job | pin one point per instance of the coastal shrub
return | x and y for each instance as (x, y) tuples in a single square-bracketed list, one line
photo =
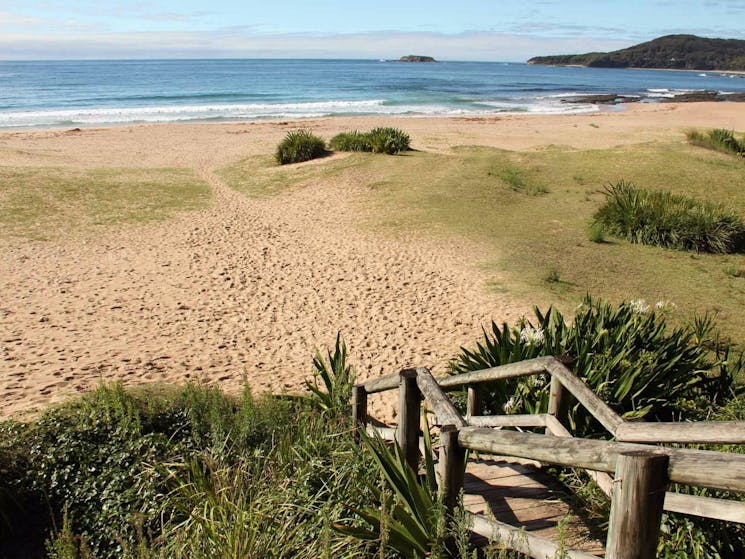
[(388, 140), (628, 354), (104, 466), (298, 146), (350, 141), (669, 220), (378, 140), (718, 139)]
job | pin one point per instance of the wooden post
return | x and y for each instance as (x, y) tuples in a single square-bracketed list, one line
[(558, 400), (636, 509), (452, 469), (473, 404), (359, 407), (452, 457), (409, 416)]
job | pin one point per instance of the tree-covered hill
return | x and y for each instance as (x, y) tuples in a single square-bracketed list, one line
[(676, 52)]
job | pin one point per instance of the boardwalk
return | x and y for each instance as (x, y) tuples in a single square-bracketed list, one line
[(525, 497)]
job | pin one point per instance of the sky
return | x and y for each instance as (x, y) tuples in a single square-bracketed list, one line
[(448, 30)]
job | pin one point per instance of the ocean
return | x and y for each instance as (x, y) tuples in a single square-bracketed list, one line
[(95, 93)]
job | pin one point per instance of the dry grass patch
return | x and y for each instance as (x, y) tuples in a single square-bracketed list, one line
[(50, 202), (260, 176)]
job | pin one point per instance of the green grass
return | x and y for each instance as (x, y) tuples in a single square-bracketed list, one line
[(259, 176), (718, 139), (472, 193), (51, 202)]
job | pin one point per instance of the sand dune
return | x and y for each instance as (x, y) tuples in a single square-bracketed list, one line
[(245, 289)]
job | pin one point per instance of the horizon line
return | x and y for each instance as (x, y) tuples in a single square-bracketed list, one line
[(192, 58)]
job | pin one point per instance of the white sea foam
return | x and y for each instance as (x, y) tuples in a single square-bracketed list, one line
[(665, 93), (175, 113), (252, 111), (539, 106)]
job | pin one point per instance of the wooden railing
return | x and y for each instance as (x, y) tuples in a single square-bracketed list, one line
[(640, 473)]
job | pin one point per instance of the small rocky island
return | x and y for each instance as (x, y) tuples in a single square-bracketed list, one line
[(416, 58)]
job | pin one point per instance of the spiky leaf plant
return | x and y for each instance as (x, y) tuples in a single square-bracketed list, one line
[(408, 516), (333, 379), (628, 354)]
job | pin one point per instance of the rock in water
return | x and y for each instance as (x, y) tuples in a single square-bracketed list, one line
[(416, 58)]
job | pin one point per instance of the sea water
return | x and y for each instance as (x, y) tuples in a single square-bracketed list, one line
[(94, 93)]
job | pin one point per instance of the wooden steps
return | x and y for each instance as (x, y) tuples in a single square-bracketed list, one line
[(524, 496)]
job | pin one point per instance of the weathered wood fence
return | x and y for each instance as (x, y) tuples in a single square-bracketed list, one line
[(639, 473)]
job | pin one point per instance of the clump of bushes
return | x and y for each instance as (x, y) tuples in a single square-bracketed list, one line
[(378, 140), (669, 220), (718, 139), (627, 354), (350, 141), (192, 472), (185, 472), (298, 146)]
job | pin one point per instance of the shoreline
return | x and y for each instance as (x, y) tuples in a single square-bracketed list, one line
[(587, 105), (700, 113)]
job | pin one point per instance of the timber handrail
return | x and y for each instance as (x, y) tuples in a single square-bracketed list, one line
[(689, 467), (651, 467), (704, 432)]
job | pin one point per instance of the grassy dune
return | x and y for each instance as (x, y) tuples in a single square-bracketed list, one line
[(51, 202), (531, 211), (260, 176)]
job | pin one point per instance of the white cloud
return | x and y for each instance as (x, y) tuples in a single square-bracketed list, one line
[(245, 42)]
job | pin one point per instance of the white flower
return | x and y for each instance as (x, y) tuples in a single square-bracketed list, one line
[(538, 381), (665, 306), (531, 336), (638, 306), (509, 405)]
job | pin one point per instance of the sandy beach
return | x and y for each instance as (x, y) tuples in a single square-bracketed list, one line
[(247, 288)]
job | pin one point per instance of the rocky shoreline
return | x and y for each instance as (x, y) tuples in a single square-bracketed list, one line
[(690, 97)]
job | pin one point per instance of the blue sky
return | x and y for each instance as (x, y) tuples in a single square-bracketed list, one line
[(452, 30)]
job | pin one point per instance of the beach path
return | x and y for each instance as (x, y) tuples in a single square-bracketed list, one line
[(243, 290)]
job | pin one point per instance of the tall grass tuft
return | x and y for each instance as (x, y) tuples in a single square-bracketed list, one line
[(350, 141), (669, 220), (378, 140), (718, 139), (388, 140), (298, 146)]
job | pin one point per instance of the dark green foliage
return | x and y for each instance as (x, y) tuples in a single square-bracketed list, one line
[(298, 146), (628, 354), (718, 139), (388, 140), (406, 515), (377, 140), (107, 464), (682, 52), (669, 220), (350, 141)]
